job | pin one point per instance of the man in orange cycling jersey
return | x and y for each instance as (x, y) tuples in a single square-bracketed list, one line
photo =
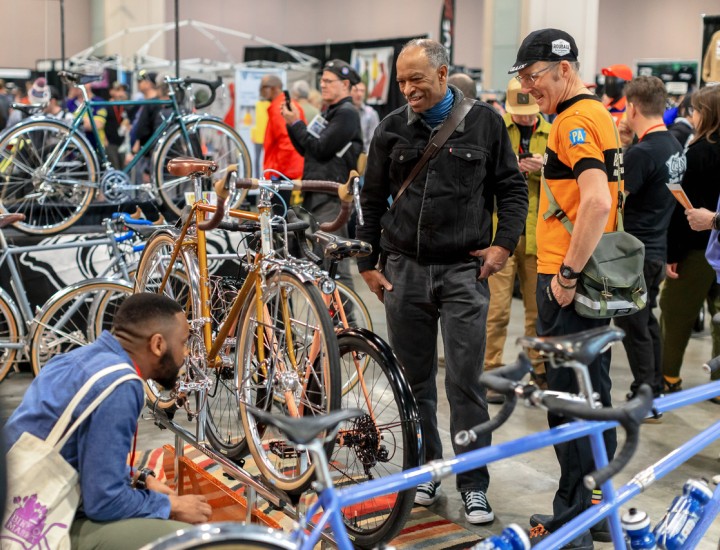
[(582, 167)]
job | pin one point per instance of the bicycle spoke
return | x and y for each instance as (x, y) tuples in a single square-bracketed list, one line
[(47, 175), (286, 361)]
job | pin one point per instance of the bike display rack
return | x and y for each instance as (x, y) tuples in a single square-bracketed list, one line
[(254, 485)]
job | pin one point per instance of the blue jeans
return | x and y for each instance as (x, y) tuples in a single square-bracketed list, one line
[(575, 457), (422, 295)]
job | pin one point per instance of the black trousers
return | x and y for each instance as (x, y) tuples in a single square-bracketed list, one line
[(575, 457), (642, 341)]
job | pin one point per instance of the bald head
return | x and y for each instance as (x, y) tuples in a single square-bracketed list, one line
[(463, 83), (270, 86)]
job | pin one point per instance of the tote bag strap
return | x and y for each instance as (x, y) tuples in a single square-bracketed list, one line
[(62, 423), (94, 405)]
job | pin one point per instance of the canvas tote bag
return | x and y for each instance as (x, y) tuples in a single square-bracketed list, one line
[(43, 489)]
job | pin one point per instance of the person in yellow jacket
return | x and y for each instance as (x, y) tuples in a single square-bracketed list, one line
[(528, 132)]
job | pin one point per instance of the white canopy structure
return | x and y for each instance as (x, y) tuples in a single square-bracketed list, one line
[(88, 58)]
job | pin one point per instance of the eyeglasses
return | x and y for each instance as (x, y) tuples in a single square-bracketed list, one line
[(530, 79), (327, 81)]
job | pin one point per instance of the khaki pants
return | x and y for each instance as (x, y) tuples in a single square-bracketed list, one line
[(126, 534), (501, 289)]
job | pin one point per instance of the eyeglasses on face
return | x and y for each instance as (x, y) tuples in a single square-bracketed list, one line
[(530, 79), (327, 81)]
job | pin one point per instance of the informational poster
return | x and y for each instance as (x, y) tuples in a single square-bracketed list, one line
[(374, 66), (679, 76), (251, 111), (710, 57)]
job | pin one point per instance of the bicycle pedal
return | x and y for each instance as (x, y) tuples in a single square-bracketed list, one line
[(283, 450)]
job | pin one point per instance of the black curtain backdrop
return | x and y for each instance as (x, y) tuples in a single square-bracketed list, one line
[(338, 50)]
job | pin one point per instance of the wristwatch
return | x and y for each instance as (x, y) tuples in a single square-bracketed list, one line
[(568, 272), (141, 481)]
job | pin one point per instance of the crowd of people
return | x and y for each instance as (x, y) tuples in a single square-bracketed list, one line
[(451, 230), (493, 205)]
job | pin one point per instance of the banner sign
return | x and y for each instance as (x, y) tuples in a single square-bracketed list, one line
[(447, 27)]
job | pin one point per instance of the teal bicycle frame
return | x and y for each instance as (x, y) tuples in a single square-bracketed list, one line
[(176, 117)]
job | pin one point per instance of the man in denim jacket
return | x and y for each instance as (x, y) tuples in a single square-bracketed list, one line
[(439, 246)]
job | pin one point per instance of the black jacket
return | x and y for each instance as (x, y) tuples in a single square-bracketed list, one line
[(446, 212), (320, 154), (700, 184)]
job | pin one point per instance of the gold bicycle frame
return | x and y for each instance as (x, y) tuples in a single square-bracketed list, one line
[(253, 280)]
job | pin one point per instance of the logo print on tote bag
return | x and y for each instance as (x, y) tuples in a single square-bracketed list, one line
[(27, 522)]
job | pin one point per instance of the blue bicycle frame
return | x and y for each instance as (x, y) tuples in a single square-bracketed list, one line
[(331, 501)]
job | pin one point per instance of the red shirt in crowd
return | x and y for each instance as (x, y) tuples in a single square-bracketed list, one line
[(280, 154)]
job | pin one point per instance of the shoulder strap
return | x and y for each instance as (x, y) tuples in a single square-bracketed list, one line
[(435, 144), (555, 210), (60, 430)]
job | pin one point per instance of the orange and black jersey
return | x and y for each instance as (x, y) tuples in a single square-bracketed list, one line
[(582, 137)]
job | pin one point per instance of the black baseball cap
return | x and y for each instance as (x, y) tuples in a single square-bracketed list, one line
[(545, 45), (342, 70), (147, 75)]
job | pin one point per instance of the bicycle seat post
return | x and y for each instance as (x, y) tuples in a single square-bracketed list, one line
[(84, 93), (584, 383), (197, 187)]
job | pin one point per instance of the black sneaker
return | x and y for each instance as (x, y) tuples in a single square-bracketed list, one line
[(477, 508), (653, 417), (600, 532), (427, 493), (495, 398)]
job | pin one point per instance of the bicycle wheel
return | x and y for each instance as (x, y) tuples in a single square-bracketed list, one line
[(154, 263), (293, 370), (225, 536), (9, 334), (209, 139), (52, 197), (223, 426), (356, 312), (384, 441), (75, 317)]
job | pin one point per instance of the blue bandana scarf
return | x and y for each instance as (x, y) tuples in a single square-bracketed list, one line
[(440, 111)]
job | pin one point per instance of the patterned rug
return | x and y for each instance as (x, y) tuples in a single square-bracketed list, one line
[(424, 529)]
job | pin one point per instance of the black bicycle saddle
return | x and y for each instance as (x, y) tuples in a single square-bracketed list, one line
[(341, 247), (583, 346), (302, 431)]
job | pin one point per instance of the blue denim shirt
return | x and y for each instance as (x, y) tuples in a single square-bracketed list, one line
[(98, 450)]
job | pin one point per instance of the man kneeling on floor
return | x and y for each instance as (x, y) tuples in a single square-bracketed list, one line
[(149, 335)]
